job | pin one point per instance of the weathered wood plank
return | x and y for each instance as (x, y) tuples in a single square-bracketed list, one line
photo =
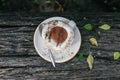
[(17, 19), (34, 68)]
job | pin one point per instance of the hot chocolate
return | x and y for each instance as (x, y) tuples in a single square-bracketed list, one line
[(57, 36)]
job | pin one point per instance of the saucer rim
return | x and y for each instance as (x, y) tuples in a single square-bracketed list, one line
[(53, 18)]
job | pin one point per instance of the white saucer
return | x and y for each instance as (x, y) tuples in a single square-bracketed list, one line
[(60, 56)]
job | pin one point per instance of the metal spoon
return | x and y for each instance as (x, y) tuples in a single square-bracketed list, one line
[(49, 50), (51, 57)]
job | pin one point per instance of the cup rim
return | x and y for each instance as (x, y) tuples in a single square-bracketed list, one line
[(68, 28)]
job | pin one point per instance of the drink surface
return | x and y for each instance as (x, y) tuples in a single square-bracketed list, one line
[(57, 35)]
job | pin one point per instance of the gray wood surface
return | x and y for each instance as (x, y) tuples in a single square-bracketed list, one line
[(19, 60)]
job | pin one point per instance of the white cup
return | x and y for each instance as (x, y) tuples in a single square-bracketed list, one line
[(47, 25)]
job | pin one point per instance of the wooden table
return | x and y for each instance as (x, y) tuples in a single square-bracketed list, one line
[(19, 60)]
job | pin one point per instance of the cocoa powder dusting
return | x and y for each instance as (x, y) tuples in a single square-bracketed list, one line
[(58, 34)]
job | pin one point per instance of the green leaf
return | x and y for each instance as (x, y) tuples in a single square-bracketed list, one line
[(80, 57), (90, 60), (105, 27), (88, 27), (116, 55)]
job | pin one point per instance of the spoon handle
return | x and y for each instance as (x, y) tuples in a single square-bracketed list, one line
[(51, 57)]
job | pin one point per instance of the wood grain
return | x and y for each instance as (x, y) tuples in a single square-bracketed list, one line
[(19, 60)]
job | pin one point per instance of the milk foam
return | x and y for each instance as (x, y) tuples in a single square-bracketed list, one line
[(52, 44)]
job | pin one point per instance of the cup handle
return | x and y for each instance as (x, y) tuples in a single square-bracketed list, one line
[(72, 24)]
